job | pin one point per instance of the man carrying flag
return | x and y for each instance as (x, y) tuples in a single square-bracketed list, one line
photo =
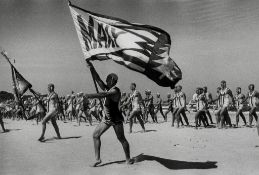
[(138, 47), (113, 116), (52, 111)]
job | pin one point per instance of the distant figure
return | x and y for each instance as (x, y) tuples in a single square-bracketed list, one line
[(225, 100), (159, 106), (170, 106), (136, 101), (208, 102), (253, 99), (239, 99), (181, 104), (200, 115), (52, 111), (150, 108)]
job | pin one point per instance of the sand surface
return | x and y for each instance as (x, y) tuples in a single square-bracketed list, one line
[(161, 150)]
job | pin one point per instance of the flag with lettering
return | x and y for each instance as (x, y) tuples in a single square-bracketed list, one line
[(142, 48)]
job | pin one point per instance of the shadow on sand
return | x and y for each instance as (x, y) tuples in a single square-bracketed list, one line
[(170, 164), (10, 130), (151, 130), (63, 138)]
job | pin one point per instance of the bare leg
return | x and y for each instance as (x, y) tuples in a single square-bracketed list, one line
[(222, 115), (197, 116), (181, 111), (208, 114), (54, 123), (99, 130), (141, 122), (44, 122), (119, 130), (162, 113), (217, 118), (243, 117), (174, 116), (48, 116), (2, 124), (240, 113), (252, 113), (132, 115)]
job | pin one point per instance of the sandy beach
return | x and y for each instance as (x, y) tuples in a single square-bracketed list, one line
[(161, 150)]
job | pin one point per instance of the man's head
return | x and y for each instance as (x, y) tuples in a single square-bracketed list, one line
[(251, 87), (132, 86), (201, 90), (205, 89), (111, 80), (238, 90), (218, 89), (197, 90), (223, 84), (51, 87), (175, 89), (179, 88)]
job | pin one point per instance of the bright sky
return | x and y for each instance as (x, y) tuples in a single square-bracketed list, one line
[(211, 41)]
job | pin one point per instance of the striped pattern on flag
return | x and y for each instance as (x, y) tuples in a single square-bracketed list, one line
[(142, 48)]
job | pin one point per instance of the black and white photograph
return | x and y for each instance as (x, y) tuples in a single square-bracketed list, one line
[(129, 87)]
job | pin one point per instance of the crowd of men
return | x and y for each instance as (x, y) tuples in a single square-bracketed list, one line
[(77, 107)]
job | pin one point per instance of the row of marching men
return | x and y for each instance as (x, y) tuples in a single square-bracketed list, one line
[(225, 100), (72, 107)]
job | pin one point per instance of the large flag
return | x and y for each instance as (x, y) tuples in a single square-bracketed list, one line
[(139, 47), (21, 85)]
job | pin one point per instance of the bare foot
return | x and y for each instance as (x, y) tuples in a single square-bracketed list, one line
[(130, 161), (96, 163), (41, 139)]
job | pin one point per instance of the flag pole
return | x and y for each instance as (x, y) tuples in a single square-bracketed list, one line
[(95, 84), (16, 95), (6, 57), (96, 87), (14, 84), (34, 93)]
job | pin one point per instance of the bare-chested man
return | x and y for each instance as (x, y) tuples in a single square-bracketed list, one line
[(149, 105), (181, 104), (136, 101), (170, 106), (83, 103), (158, 105), (52, 111)]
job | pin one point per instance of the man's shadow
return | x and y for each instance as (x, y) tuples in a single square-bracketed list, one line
[(62, 138), (10, 130), (171, 164)]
